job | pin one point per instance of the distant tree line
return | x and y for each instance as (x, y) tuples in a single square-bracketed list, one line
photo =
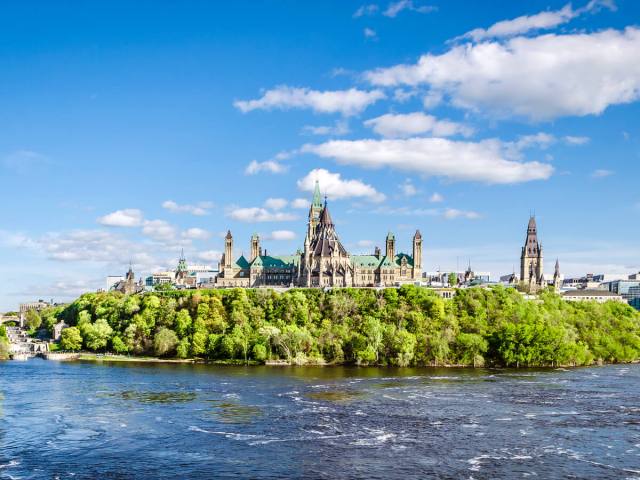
[(406, 326)]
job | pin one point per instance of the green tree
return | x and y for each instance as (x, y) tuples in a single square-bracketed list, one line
[(33, 320), (70, 339), (452, 279), (98, 334), (165, 342)]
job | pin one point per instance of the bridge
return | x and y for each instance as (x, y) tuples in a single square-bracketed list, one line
[(12, 318)]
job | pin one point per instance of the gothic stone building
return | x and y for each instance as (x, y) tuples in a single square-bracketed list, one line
[(324, 261)]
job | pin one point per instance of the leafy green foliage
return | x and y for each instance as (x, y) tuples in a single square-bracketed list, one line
[(70, 339), (405, 326)]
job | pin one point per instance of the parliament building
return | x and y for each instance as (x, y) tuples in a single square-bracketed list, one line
[(324, 262)]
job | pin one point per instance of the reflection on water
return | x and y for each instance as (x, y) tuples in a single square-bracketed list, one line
[(85, 421)]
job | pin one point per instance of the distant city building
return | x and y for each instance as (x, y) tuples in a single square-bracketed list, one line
[(324, 262), (599, 296), (112, 280), (37, 306), (128, 285), (466, 278)]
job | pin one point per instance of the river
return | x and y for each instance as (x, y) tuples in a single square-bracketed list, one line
[(111, 421)]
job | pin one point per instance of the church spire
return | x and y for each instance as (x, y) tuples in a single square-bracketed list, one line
[(317, 198)]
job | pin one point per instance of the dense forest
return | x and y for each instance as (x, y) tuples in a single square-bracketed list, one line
[(405, 326)]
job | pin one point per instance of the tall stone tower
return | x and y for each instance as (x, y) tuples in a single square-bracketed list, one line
[(531, 259), (181, 269), (255, 247), (417, 255), (227, 257), (314, 211), (391, 246), (556, 277)]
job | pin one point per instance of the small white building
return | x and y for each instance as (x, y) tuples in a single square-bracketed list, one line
[(599, 296)]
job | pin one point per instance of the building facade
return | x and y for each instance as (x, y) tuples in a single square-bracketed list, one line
[(323, 262)]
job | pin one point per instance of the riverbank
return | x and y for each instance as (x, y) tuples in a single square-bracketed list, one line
[(114, 358)]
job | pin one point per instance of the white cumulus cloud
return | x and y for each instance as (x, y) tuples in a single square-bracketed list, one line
[(488, 161), (281, 235), (540, 78), (269, 166), (540, 21), (394, 8), (258, 214), (129, 217), (196, 233), (300, 203), (275, 203), (346, 102), (417, 123), (199, 209), (336, 187)]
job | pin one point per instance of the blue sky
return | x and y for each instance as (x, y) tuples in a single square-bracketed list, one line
[(131, 131)]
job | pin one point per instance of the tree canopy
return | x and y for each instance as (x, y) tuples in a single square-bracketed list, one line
[(405, 326)]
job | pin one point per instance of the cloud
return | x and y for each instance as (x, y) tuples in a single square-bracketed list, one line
[(394, 8), (365, 10), (346, 102), (257, 214), (436, 198), (24, 161), (540, 21), (408, 189), (540, 140), (369, 33), (601, 173), (340, 128), (275, 203), (453, 213), (129, 217), (417, 123), (270, 166), (365, 243), (281, 235), (335, 187), (446, 213), (159, 230), (539, 78), (196, 233), (199, 209), (82, 245), (488, 161), (209, 255), (402, 95), (300, 203), (571, 140)]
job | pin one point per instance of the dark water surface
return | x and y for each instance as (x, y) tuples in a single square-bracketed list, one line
[(84, 420)]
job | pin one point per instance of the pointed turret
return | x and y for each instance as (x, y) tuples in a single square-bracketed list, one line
[(317, 198), (325, 216)]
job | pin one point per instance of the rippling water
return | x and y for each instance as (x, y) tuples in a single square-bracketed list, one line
[(84, 420)]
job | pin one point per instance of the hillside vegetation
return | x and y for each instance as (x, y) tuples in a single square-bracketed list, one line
[(405, 326)]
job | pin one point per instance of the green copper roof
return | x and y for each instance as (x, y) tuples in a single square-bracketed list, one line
[(317, 198), (408, 257), (268, 261), (365, 261), (390, 236), (371, 261), (242, 262)]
